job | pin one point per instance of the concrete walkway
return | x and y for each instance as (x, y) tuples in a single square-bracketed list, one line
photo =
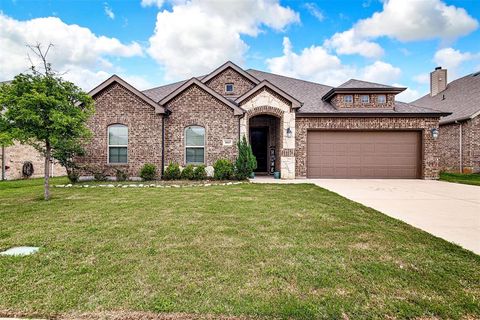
[(447, 210)]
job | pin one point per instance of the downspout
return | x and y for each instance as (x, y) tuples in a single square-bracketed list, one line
[(3, 163), (461, 147), (163, 145)]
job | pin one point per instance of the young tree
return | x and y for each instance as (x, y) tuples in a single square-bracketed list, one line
[(6, 138), (45, 111)]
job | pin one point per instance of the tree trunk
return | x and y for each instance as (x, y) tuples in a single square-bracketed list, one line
[(48, 151), (3, 162)]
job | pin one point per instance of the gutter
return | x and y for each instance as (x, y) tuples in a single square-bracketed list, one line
[(167, 113), (370, 115)]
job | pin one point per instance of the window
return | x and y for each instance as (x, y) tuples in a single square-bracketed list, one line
[(365, 98), (348, 98), (381, 98), (229, 87), (117, 143), (195, 145)]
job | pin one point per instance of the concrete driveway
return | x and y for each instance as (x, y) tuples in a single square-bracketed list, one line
[(447, 210)]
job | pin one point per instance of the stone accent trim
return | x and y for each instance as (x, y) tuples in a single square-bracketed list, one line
[(264, 110)]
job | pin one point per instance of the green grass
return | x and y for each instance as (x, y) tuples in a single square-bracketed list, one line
[(472, 178), (285, 251)]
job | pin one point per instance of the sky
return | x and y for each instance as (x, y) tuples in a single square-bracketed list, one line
[(155, 42)]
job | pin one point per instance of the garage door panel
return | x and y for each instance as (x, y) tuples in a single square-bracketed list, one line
[(363, 154)]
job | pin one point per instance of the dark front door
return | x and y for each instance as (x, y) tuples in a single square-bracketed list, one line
[(259, 142)]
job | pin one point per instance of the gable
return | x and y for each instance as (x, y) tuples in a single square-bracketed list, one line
[(230, 76)]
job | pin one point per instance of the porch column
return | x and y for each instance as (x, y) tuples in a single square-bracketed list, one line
[(287, 160)]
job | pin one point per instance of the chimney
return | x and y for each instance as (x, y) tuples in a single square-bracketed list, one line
[(438, 81)]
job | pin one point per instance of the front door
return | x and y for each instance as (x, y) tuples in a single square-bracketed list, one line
[(259, 142)]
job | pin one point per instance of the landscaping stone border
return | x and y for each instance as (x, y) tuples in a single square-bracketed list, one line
[(151, 185)]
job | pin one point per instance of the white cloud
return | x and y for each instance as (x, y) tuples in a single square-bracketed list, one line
[(404, 20), (314, 11), (422, 78), (349, 42), (212, 34), (409, 94), (76, 50), (315, 63), (148, 3), (108, 11), (452, 59), (381, 72)]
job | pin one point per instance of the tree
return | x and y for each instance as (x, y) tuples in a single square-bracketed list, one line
[(6, 138), (246, 161), (45, 111)]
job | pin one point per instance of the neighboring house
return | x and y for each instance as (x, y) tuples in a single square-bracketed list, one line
[(15, 158), (459, 139), (296, 127)]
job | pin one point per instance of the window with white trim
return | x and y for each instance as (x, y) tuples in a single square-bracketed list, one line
[(365, 98), (118, 143), (195, 145), (348, 98), (381, 98)]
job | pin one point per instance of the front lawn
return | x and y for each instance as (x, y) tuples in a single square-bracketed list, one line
[(287, 251), (471, 178)]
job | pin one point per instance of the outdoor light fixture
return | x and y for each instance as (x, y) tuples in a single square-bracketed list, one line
[(289, 132), (434, 133)]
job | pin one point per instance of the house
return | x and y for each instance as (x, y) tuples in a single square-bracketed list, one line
[(459, 140), (296, 127)]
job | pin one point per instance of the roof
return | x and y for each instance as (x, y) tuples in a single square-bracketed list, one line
[(360, 84), (194, 81), (310, 95), (354, 85), (116, 79), (461, 97), (266, 84), (233, 66)]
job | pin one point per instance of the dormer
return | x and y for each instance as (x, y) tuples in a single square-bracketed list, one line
[(230, 80), (356, 94)]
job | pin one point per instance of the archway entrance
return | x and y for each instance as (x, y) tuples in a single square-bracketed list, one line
[(265, 139)]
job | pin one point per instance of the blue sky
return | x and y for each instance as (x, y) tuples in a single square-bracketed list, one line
[(153, 42)]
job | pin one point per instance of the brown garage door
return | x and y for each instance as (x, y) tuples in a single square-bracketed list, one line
[(363, 154)]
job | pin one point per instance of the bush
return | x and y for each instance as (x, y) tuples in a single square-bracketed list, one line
[(199, 173), (223, 169), (188, 172), (73, 176), (172, 172), (246, 161), (100, 176), (121, 175), (148, 171)]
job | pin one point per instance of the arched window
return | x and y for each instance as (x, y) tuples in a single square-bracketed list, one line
[(195, 145), (118, 143)]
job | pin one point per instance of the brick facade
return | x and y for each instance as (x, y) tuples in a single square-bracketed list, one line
[(18, 154), (194, 106), (240, 83), (117, 105), (449, 145), (338, 101), (430, 158)]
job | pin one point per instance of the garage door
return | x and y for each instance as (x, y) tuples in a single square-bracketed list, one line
[(363, 154)]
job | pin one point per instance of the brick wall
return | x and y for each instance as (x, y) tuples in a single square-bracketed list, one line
[(430, 157), (449, 144), (117, 105), (240, 83), (338, 101), (18, 154), (194, 106)]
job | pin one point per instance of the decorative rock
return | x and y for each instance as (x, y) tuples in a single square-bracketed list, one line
[(59, 186), (20, 251), (110, 186), (207, 184), (132, 185), (125, 186), (86, 186), (209, 170), (175, 186)]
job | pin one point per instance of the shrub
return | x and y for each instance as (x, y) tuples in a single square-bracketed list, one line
[(172, 172), (73, 176), (148, 171), (223, 169), (100, 176), (188, 172), (199, 173), (246, 161), (121, 175)]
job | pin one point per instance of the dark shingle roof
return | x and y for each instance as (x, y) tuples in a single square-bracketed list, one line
[(359, 84), (307, 92), (462, 98)]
